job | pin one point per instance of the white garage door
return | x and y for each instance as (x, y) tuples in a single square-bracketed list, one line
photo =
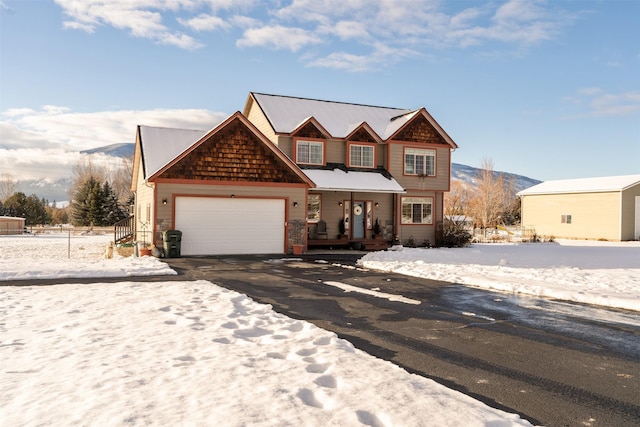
[(215, 226)]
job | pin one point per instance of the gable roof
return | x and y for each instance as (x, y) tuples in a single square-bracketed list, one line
[(583, 185), (159, 146), (340, 119)]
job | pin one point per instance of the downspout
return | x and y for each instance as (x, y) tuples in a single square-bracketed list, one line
[(396, 223)]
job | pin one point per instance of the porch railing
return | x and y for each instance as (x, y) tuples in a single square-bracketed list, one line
[(124, 230)]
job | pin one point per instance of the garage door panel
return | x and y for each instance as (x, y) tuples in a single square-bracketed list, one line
[(212, 226)]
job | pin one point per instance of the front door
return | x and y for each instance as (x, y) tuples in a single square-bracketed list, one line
[(358, 220)]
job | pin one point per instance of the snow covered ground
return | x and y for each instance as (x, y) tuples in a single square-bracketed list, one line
[(193, 353), (601, 273)]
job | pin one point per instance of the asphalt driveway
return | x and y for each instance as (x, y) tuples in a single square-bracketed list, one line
[(509, 353)]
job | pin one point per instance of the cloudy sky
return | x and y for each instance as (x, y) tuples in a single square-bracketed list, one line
[(543, 88)]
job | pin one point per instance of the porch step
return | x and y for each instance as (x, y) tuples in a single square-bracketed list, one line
[(377, 245)]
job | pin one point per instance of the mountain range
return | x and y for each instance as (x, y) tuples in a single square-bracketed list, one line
[(58, 190)]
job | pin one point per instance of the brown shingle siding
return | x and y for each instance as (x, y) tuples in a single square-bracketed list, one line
[(420, 130), (234, 154)]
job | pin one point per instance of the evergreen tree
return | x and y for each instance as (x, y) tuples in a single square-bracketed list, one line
[(112, 211), (31, 208), (81, 204), (36, 213), (15, 205)]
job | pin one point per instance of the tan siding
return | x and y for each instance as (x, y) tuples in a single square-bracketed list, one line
[(259, 120), (285, 144), (593, 215), (144, 206), (628, 231), (440, 182), (336, 151)]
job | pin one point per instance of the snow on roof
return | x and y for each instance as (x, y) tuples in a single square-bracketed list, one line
[(161, 145), (340, 180), (285, 114), (583, 185)]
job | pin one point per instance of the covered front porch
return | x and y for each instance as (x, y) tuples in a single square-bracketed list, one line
[(351, 209)]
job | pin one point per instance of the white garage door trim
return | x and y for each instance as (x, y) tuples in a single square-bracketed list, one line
[(225, 226)]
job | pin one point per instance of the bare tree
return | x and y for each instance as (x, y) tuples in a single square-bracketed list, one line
[(85, 169), (491, 196), (456, 201), (455, 232), (121, 180), (8, 186)]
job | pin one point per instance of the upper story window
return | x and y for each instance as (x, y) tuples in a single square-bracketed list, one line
[(362, 155), (419, 161), (309, 152)]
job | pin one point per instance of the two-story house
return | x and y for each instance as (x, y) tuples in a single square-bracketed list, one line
[(293, 171)]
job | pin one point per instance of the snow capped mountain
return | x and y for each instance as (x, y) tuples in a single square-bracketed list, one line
[(468, 174), (51, 190), (124, 149)]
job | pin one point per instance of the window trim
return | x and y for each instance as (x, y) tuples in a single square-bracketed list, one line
[(435, 160), (323, 144), (314, 221), (362, 144), (404, 201)]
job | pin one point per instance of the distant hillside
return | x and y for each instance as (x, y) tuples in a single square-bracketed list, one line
[(124, 149), (58, 190), (46, 189), (468, 174)]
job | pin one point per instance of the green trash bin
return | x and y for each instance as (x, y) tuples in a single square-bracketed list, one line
[(172, 241)]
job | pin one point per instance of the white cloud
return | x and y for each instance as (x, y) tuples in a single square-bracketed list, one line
[(350, 30), (205, 22), (278, 37), (596, 102), (46, 143), (142, 18), (380, 56), (344, 28)]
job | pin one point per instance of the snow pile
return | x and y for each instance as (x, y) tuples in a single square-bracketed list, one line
[(601, 273), (193, 353), (60, 255)]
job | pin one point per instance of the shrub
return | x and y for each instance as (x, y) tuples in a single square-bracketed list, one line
[(455, 238)]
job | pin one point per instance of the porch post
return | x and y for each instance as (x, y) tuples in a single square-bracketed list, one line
[(351, 216)]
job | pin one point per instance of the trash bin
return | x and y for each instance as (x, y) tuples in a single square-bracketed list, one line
[(172, 241)]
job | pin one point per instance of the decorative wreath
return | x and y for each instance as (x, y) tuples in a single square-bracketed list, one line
[(357, 210)]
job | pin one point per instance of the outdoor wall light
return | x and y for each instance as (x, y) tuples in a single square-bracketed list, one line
[(295, 204), (164, 201), (339, 203), (377, 204), (233, 196)]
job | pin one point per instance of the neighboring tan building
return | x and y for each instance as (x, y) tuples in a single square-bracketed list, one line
[(11, 225), (606, 208), (287, 171)]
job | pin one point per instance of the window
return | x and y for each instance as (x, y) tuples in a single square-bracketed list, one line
[(309, 152), (361, 155), (313, 208), (417, 210), (419, 162), (565, 219)]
